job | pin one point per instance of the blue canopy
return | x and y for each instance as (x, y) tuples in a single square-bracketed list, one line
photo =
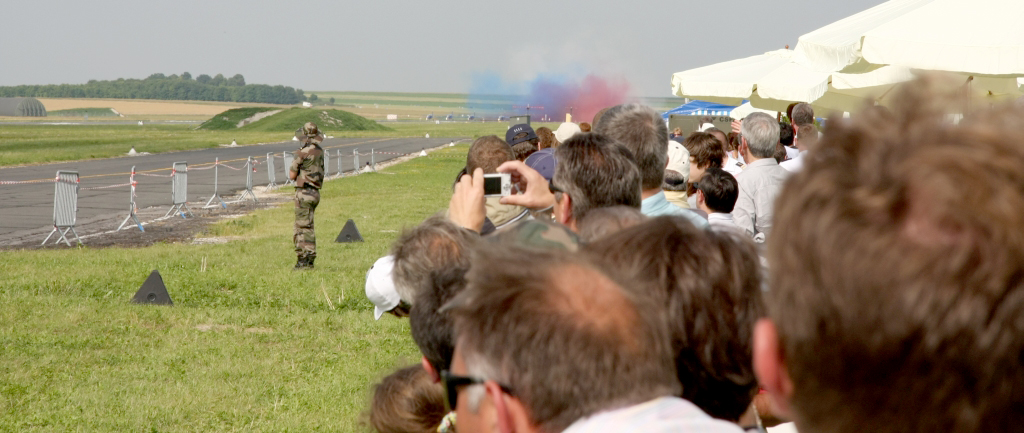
[(699, 108)]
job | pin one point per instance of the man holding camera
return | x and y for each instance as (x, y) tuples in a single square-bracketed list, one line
[(307, 171)]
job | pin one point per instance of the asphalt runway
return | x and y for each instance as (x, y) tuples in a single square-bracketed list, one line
[(29, 207)]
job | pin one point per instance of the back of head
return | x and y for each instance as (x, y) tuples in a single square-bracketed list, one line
[(432, 329), (603, 222), (722, 137), (803, 114), (786, 134), (705, 150), (720, 190), (567, 339), (546, 138), (708, 283), (807, 136), (407, 401), (643, 132), (435, 244), (488, 153), (897, 258), (762, 134), (597, 172), (780, 153)]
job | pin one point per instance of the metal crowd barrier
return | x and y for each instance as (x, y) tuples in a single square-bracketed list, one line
[(288, 159), (179, 190), (65, 207), (271, 173)]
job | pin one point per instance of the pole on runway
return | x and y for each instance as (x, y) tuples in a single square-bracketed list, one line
[(132, 208)]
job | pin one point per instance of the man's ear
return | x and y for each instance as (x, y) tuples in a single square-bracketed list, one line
[(699, 197), (510, 414), (434, 374), (565, 206), (770, 366)]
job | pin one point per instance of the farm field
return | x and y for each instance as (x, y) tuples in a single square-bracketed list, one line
[(249, 344)]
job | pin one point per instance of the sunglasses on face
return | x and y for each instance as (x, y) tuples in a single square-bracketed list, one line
[(453, 382)]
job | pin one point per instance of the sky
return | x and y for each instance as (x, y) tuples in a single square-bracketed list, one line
[(397, 46)]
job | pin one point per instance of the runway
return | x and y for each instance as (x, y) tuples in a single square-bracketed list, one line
[(29, 207)]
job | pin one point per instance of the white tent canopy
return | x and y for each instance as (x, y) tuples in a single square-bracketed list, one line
[(859, 59)]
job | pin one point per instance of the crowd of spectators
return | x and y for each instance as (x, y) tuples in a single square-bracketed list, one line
[(871, 282)]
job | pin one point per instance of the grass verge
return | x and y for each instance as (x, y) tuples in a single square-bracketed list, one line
[(249, 346), (36, 144)]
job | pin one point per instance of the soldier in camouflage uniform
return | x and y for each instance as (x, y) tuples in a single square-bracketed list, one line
[(307, 171)]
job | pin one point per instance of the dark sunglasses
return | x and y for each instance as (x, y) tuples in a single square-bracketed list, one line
[(452, 383), (553, 188)]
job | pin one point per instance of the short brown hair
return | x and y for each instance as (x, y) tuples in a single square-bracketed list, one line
[(596, 171), (705, 149), (566, 338), (897, 261), (407, 401), (487, 153), (708, 282), (546, 138), (643, 132)]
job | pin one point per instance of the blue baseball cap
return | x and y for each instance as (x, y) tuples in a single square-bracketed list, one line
[(544, 162), (515, 130)]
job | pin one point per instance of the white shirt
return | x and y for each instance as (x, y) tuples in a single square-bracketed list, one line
[(791, 152), (661, 415), (760, 184), (732, 166), (724, 222), (794, 164)]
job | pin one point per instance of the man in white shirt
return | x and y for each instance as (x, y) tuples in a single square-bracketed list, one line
[(716, 194), (732, 163), (806, 137), (762, 180), (560, 346)]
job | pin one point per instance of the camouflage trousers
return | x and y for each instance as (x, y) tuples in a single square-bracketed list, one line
[(306, 200)]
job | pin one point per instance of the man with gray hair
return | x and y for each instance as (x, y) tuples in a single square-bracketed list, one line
[(434, 245), (560, 346), (643, 132), (762, 180), (592, 171)]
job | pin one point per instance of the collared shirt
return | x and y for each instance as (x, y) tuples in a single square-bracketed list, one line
[(794, 164), (657, 205), (661, 415), (732, 166), (723, 221), (760, 183)]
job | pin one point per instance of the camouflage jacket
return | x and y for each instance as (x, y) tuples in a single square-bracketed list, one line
[(309, 166)]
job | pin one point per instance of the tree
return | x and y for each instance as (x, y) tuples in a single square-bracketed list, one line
[(156, 76), (186, 76), (236, 80), (219, 80), (331, 100), (204, 79), (313, 98)]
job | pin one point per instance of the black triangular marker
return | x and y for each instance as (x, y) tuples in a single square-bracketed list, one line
[(349, 233), (153, 291)]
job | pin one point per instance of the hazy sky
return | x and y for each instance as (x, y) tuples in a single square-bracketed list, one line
[(407, 46)]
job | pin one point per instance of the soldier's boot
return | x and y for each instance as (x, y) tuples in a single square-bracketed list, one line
[(309, 261), (300, 263)]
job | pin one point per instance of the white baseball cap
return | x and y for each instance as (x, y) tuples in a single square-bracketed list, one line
[(380, 288), (566, 130)]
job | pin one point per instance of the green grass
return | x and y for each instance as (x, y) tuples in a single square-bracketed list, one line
[(328, 120), (35, 144), (249, 346), (229, 119)]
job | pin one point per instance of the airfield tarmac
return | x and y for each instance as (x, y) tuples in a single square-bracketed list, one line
[(26, 210)]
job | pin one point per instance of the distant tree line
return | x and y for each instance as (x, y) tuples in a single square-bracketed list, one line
[(173, 87)]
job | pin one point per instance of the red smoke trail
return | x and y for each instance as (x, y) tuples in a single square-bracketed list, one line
[(583, 98)]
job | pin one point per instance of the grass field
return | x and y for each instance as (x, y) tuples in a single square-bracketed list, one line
[(249, 346), (33, 144)]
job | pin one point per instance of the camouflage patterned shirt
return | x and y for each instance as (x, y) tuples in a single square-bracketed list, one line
[(309, 165)]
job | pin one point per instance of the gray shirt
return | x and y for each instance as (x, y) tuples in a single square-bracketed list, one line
[(760, 183)]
